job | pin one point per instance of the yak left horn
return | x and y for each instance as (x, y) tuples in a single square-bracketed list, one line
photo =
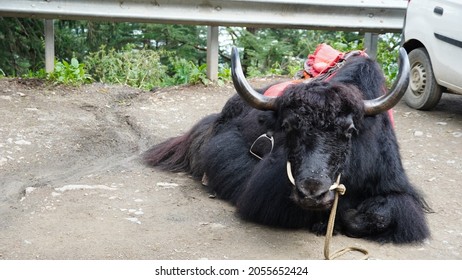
[(251, 96), (387, 101)]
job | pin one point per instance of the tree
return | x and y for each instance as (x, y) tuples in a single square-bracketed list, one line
[(265, 50), (21, 45)]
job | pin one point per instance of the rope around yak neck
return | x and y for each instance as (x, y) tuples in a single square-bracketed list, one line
[(339, 190)]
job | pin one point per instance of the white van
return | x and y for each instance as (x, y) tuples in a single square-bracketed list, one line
[(433, 40)]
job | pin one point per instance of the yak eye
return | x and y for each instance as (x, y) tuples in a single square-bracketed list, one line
[(349, 126), (291, 124), (286, 126), (350, 130)]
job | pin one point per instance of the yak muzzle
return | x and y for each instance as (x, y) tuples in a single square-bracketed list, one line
[(311, 193)]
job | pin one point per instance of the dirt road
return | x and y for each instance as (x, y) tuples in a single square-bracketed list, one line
[(72, 186)]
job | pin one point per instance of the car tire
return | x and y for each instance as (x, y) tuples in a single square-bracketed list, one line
[(423, 92)]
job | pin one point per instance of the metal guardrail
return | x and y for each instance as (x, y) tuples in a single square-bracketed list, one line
[(376, 16), (360, 15)]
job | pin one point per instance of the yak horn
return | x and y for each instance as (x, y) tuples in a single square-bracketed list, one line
[(251, 96), (387, 101)]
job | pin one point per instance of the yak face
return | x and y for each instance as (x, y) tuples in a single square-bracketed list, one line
[(319, 120)]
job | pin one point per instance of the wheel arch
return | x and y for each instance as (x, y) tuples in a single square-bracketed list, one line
[(412, 44)]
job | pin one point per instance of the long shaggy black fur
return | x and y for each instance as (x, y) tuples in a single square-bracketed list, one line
[(312, 128)]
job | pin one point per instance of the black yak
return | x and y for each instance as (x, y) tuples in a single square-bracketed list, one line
[(275, 158)]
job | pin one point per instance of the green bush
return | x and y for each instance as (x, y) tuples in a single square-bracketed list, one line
[(68, 73), (186, 72), (130, 66), (40, 74), (224, 75)]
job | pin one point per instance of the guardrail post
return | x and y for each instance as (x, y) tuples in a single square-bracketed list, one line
[(212, 53), (370, 44), (49, 46)]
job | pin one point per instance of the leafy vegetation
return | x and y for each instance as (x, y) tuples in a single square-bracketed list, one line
[(129, 66), (186, 72), (150, 55), (69, 73)]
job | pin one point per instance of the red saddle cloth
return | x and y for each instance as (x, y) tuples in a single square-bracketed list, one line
[(323, 58)]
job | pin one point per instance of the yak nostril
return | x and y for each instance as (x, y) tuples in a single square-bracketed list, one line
[(312, 188)]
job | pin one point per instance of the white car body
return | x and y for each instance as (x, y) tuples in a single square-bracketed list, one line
[(436, 26)]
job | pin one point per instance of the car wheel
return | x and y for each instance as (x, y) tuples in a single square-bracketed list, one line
[(423, 92)]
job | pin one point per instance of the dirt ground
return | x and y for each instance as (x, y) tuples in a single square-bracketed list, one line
[(72, 185)]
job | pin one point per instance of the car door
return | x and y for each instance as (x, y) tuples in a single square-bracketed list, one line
[(446, 19)]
